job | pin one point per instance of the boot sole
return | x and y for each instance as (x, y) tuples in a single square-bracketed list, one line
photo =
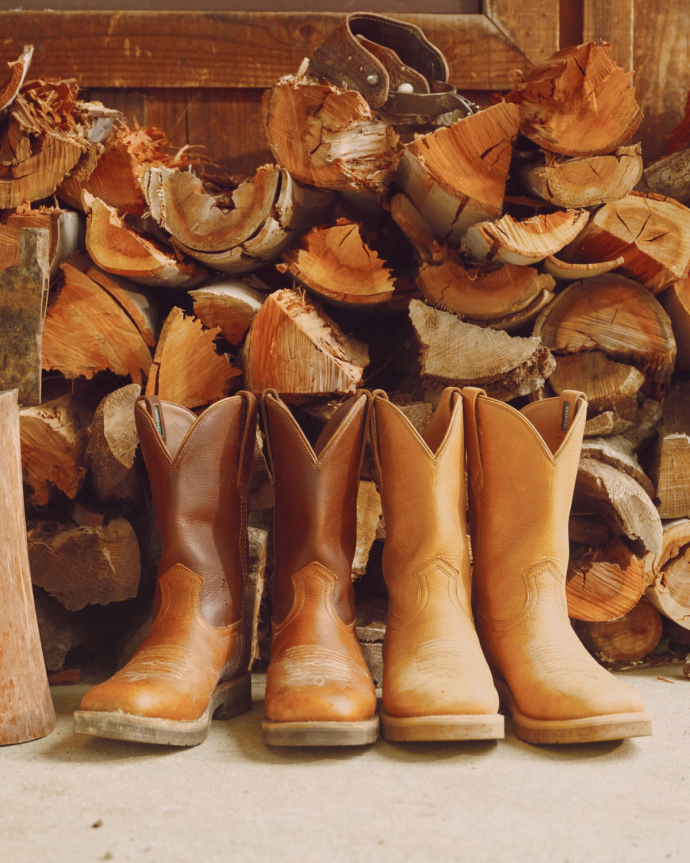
[(489, 726), (320, 733), (592, 729), (228, 700)]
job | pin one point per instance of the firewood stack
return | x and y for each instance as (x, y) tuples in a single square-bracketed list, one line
[(508, 249)]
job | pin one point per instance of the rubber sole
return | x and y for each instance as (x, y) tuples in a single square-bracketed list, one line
[(228, 700), (490, 726), (320, 733), (592, 729)]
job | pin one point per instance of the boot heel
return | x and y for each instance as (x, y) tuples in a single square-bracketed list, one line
[(233, 698)]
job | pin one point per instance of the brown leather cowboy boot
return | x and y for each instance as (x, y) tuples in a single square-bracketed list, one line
[(194, 662), (522, 469), (318, 687), (436, 682)]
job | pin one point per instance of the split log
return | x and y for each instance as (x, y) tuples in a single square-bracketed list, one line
[(328, 137), (229, 305), (53, 441), (186, 368), (518, 320), (480, 292), (578, 103), (116, 179), (671, 465), (622, 502), (112, 445), (23, 299), (669, 176), (651, 232), (419, 414), (136, 301), (630, 637), (119, 249), (295, 348), (457, 175), (609, 386), (66, 234), (614, 315), (40, 144), (584, 181), (108, 338), (605, 424), (369, 515), (528, 242), (459, 354), (587, 530), (82, 566), (337, 265), (564, 271), (18, 68), (669, 574), (278, 211), (416, 228), (27, 711), (261, 494), (60, 630), (618, 452), (256, 579), (372, 617), (604, 583), (676, 303)]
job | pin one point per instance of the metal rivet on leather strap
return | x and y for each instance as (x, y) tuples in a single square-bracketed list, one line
[(372, 80), (405, 88)]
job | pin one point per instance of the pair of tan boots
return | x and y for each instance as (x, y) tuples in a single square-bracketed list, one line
[(442, 677)]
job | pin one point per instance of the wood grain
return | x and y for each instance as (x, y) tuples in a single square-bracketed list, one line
[(237, 49), (532, 25), (613, 21), (26, 710)]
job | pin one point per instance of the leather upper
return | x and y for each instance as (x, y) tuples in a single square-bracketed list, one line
[(317, 671), (433, 663), (522, 470), (199, 471)]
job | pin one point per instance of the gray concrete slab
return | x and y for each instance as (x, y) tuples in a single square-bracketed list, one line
[(232, 799)]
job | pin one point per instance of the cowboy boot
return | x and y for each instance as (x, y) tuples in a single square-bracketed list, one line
[(318, 687), (193, 665), (436, 682), (522, 470)]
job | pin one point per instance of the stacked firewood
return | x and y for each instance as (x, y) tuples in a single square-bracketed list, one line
[(511, 249)]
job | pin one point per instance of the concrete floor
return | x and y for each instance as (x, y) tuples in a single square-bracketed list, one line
[(232, 799)]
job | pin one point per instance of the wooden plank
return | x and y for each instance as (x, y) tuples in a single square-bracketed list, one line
[(570, 23), (532, 25), (612, 21), (662, 70), (26, 710), (237, 49)]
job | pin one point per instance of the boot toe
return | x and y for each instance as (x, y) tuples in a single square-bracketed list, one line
[(320, 704), (150, 698)]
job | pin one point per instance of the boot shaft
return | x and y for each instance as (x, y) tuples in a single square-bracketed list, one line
[(423, 495), (315, 497), (522, 470), (199, 471)]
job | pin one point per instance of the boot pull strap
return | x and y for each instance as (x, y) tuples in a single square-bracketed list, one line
[(154, 406), (373, 434), (569, 401), (267, 427), (474, 463), (248, 442)]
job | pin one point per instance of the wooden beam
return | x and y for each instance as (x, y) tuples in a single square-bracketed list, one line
[(26, 710), (532, 25), (611, 20), (239, 49)]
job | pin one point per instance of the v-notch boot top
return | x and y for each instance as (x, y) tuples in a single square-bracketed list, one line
[(436, 682), (195, 659), (318, 687), (522, 470)]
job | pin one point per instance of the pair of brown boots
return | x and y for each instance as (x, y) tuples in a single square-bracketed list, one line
[(437, 682)]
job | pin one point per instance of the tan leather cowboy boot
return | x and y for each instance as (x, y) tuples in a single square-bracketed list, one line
[(522, 469), (436, 683), (318, 687), (194, 662)]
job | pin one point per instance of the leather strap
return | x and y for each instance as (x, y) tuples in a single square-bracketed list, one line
[(391, 63)]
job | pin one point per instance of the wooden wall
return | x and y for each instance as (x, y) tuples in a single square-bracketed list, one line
[(200, 75)]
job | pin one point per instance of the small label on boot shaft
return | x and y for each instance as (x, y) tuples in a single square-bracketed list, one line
[(565, 416), (157, 416)]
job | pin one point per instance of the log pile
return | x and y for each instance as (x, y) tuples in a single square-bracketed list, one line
[(521, 249)]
